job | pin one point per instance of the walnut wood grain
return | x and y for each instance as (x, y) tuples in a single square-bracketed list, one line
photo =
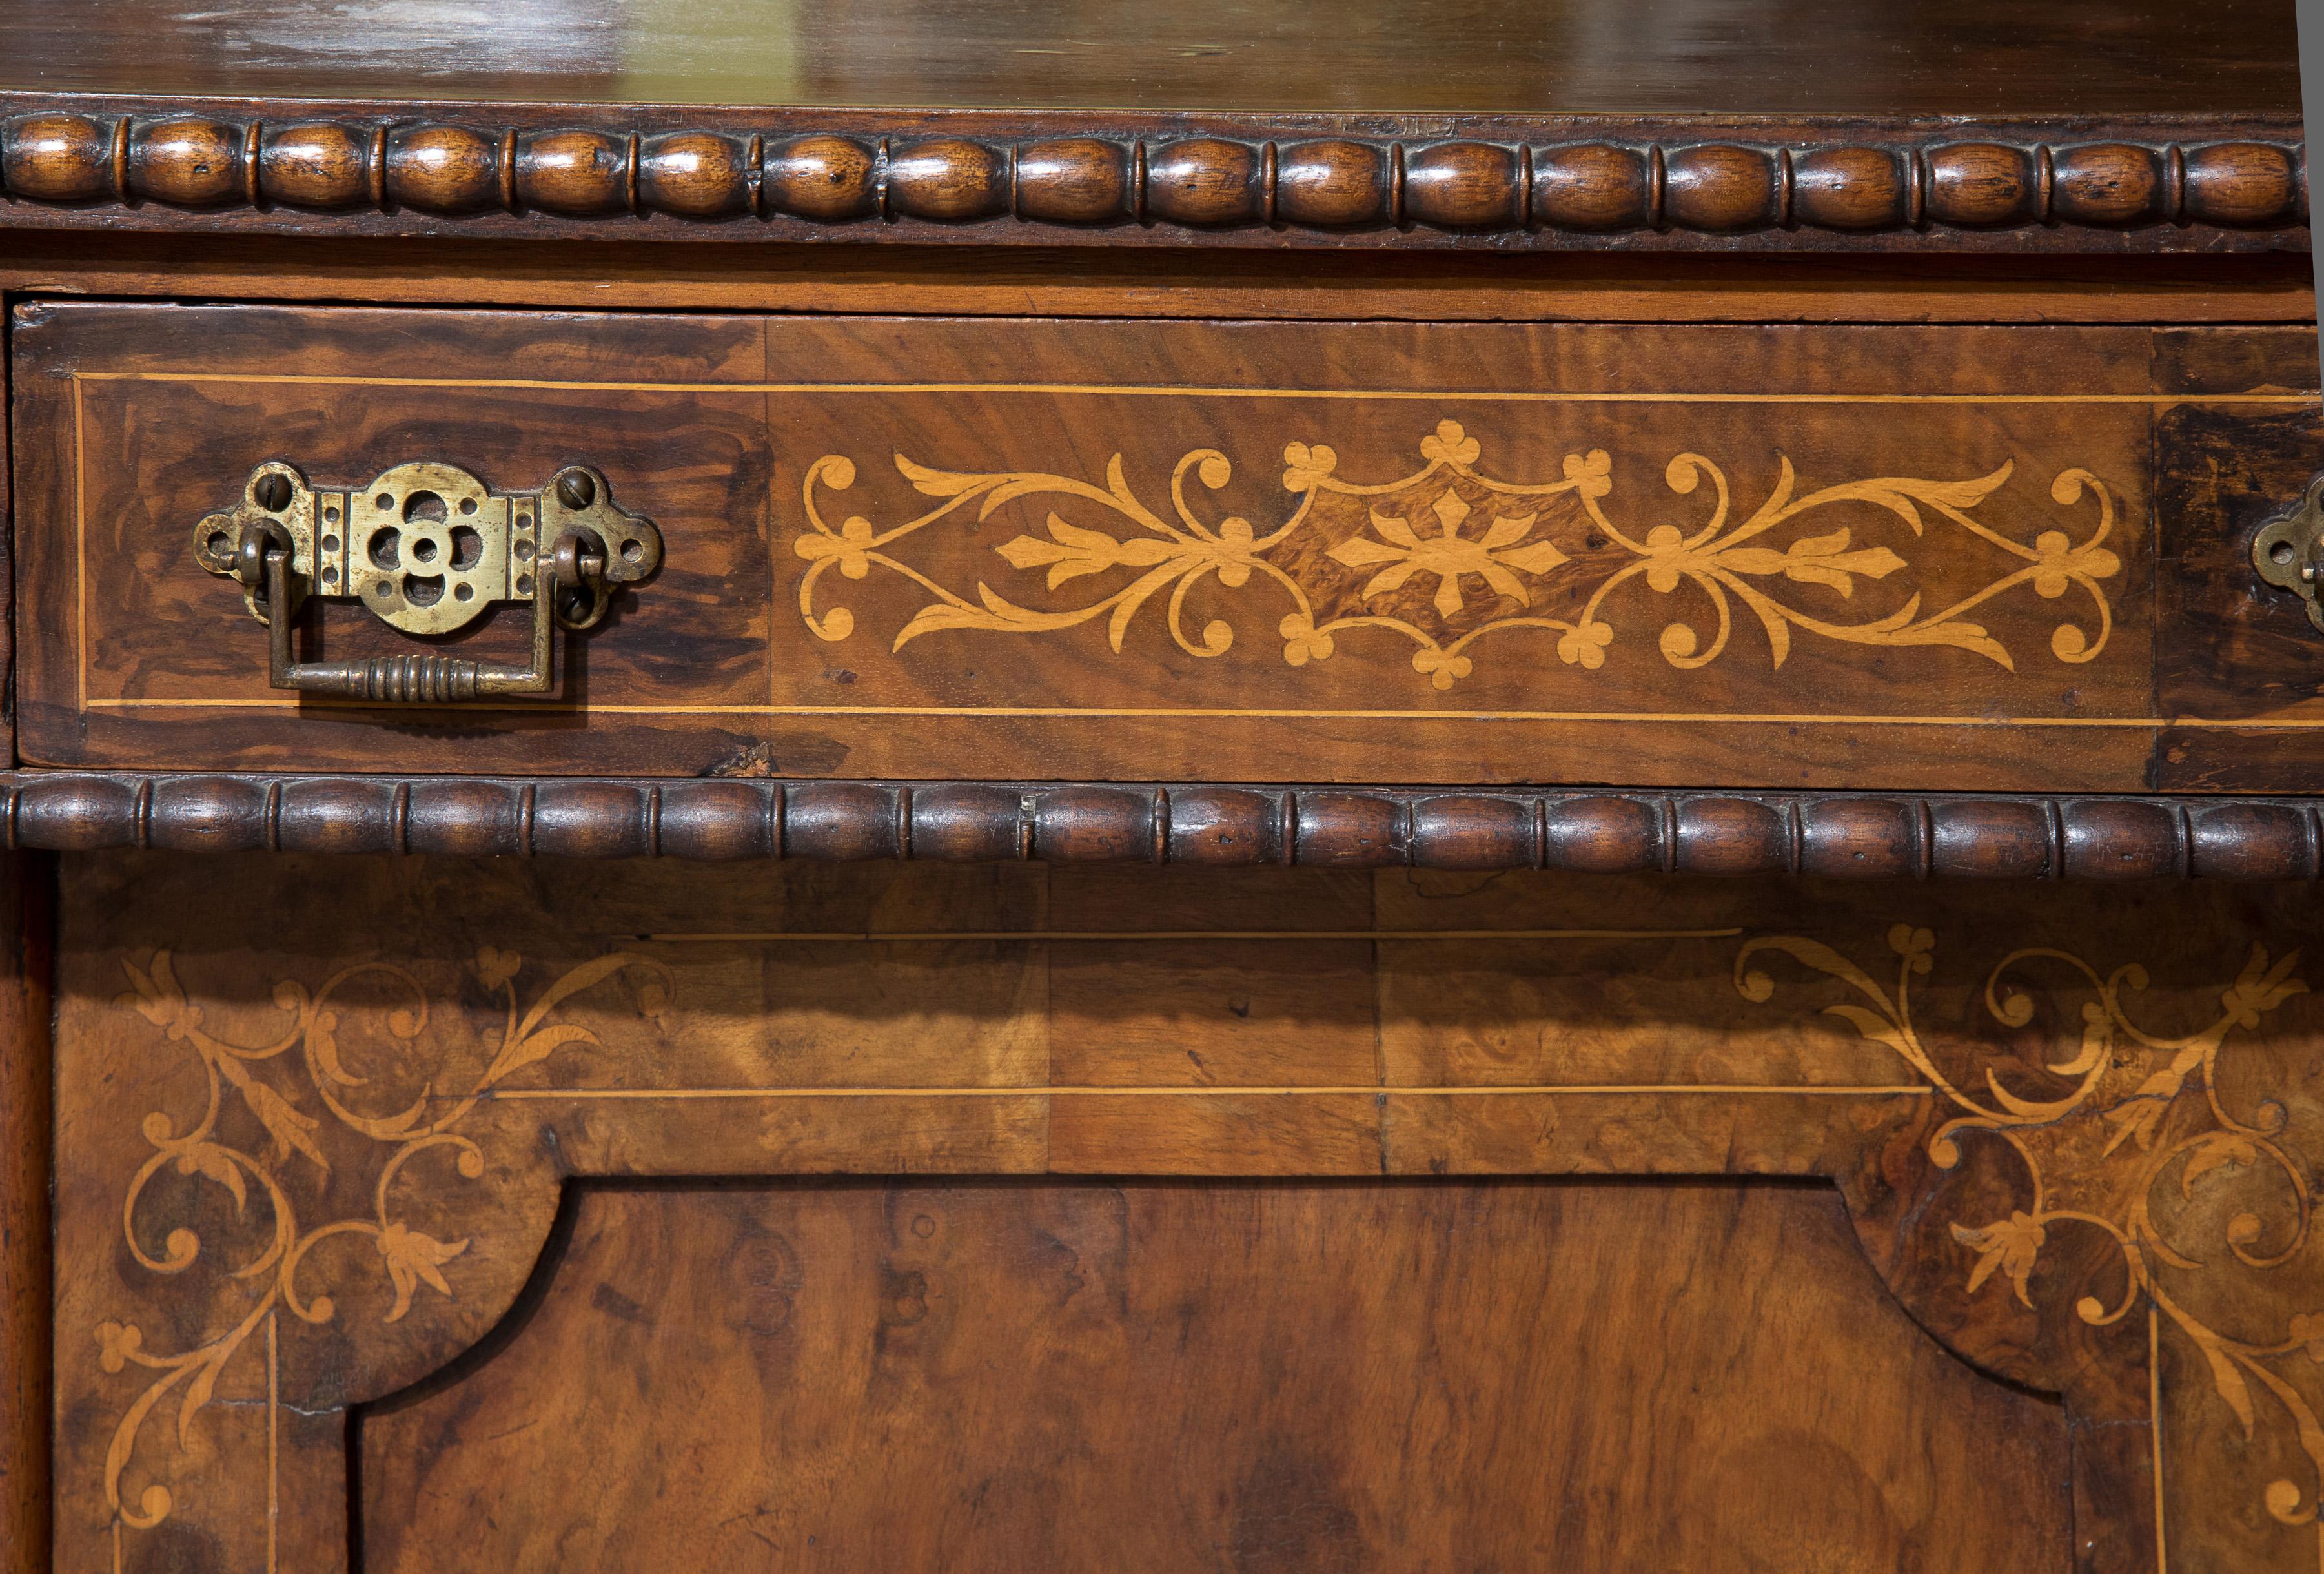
[(27, 1288), (1079, 282), (1863, 836), (2253, 659), (1402, 1376), (1562, 182), (1425, 57), (2072, 1137)]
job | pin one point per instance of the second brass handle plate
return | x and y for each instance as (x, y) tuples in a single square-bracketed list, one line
[(2289, 552)]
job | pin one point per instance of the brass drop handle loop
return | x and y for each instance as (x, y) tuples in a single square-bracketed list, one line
[(426, 679), (426, 548), (256, 545)]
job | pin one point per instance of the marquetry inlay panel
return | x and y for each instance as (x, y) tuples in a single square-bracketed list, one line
[(312, 1138), (1449, 531)]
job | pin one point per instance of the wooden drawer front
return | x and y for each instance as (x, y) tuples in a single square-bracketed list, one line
[(1823, 556)]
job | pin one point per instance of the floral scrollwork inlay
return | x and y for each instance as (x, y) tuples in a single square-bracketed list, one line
[(409, 1259), (2128, 1112), (1459, 532)]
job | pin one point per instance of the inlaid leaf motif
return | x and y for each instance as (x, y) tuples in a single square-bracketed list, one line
[(199, 1392), (939, 482), (2136, 1121), (1493, 556), (325, 1042), (158, 999), (2260, 989), (414, 1260), (2138, 1108), (410, 1258), (2012, 1244), (529, 1040), (537, 1046), (2230, 1384), (290, 1128), (1073, 551), (1824, 560)]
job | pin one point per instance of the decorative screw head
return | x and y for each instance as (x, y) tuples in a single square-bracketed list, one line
[(575, 489), (273, 493)]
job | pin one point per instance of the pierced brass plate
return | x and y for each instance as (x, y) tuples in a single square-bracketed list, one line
[(2290, 551), (427, 548)]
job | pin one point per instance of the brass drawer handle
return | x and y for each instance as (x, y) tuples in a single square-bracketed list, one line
[(2289, 551), (428, 548)]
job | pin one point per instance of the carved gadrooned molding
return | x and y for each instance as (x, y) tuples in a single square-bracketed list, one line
[(1558, 182), (1887, 835)]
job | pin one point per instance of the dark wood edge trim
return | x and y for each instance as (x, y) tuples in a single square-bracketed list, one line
[(2158, 183), (1870, 835), (27, 1288)]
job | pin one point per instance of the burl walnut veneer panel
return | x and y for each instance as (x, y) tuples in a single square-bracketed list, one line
[(315, 1121), (1195, 1376), (1891, 557)]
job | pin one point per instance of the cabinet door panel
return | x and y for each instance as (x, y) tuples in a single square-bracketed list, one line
[(1190, 1376), (1524, 1219)]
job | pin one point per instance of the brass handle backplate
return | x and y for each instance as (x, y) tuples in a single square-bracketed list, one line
[(429, 548), (2289, 551)]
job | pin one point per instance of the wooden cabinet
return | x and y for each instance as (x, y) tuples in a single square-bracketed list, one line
[(1451, 789)]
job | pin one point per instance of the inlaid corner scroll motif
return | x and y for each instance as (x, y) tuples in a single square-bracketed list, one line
[(2120, 1123), (309, 1126), (1530, 553)]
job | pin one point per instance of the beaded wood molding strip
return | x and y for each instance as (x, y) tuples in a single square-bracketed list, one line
[(1864, 835), (1558, 182)]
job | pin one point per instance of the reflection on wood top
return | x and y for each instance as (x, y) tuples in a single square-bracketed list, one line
[(1384, 57)]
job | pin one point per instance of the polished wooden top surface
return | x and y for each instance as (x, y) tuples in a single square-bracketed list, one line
[(1401, 57)]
